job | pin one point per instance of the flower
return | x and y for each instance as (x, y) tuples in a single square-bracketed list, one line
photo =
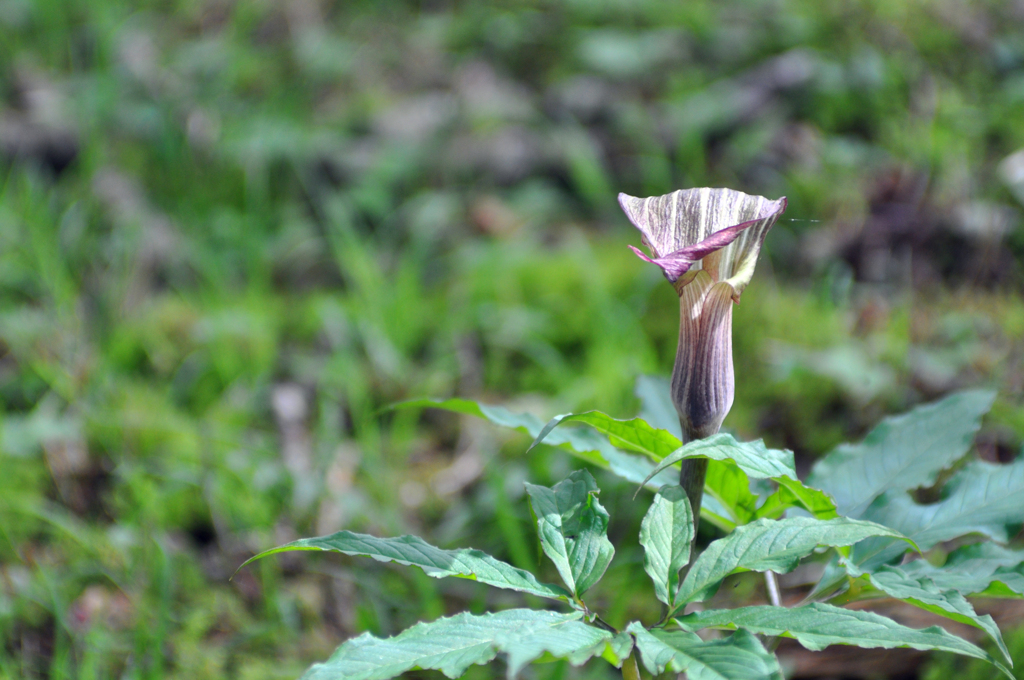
[(706, 241)]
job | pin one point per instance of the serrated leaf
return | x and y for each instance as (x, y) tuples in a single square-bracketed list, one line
[(974, 569), (413, 551), (656, 405), (729, 485), (903, 452), (618, 648), (754, 458), (713, 511), (634, 435), (982, 557), (769, 545), (834, 580), (818, 625), (665, 534), (728, 478), (726, 483), (586, 445), (573, 529), (738, 657), (923, 592), (792, 493), (451, 645), (1005, 583), (980, 498)]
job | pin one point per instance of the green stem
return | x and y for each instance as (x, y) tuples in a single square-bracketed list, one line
[(630, 671)]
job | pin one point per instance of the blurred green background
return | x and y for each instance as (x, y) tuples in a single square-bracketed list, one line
[(232, 232)]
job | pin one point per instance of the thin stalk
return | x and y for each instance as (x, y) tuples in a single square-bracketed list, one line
[(691, 478), (630, 671), (692, 473), (604, 624), (772, 585)]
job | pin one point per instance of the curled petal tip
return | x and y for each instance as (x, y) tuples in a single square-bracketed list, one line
[(673, 265), (639, 253)]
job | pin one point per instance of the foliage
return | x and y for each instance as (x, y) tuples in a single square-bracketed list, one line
[(221, 201), (414, 551), (953, 665), (454, 644), (902, 453), (572, 526)]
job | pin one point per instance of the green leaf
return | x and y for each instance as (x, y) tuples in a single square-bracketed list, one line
[(712, 510), (451, 645), (818, 625), (729, 485), (834, 580), (738, 657), (633, 434), (980, 498), (665, 533), (592, 448), (587, 445), (985, 556), (754, 458), (726, 483), (974, 569), (573, 529), (769, 545), (903, 452), (656, 408), (413, 551), (617, 649), (792, 493), (923, 592), (1006, 584)]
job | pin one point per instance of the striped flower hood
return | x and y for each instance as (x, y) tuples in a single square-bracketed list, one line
[(706, 241)]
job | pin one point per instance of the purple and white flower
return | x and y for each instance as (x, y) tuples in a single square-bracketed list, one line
[(706, 241)]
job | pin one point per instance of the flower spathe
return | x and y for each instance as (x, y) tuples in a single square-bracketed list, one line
[(706, 241)]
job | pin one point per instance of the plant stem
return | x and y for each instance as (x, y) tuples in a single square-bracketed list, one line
[(773, 588), (772, 585), (691, 478), (630, 671), (604, 624)]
